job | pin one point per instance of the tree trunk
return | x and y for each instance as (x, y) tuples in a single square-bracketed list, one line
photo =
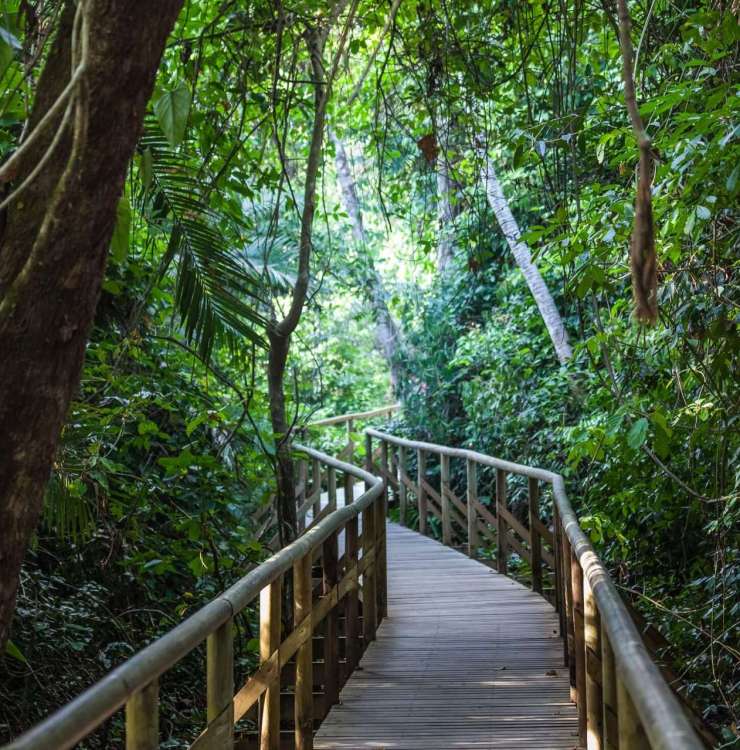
[(54, 244), (387, 335), (280, 332), (523, 257), (448, 203), (284, 470)]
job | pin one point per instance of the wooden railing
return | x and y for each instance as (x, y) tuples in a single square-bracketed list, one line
[(623, 701), (347, 592), (350, 422), (312, 479)]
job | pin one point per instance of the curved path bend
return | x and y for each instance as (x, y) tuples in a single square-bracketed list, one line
[(467, 658)]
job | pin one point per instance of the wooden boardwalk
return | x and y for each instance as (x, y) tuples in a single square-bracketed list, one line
[(467, 658)]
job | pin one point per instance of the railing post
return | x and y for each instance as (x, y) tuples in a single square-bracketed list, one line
[(369, 574), (220, 685), (368, 453), (351, 603), (384, 470), (330, 556), (557, 549), (501, 529), (270, 622), (594, 720), (472, 499), (316, 487), (568, 598), (421, 460), (303, 484), (402, 485), (609, 693), (631, 734), (380, 507), (535, 540), (579, 643), (350, 441), (331, 481), (445, 496), (142, 719), (302, 605)]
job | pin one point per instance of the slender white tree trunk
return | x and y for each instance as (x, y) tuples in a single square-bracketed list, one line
[(523, 257), (387, 336), (446, 239), (446, 206)]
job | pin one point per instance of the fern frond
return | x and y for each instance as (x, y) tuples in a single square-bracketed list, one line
[(217, 295)]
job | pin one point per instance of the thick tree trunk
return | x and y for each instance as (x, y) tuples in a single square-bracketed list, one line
[(53, 247), (523, 257), (387, 336)]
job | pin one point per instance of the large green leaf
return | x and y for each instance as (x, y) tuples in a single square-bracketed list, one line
[(172, 109), (638, 433), (120, 240)]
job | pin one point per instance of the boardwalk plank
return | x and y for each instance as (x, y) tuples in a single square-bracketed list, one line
[(466, 658)]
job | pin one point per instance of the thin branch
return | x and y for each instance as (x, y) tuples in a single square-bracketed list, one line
[(389, 21)]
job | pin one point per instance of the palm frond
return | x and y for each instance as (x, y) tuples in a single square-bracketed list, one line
[(272, 251), (67, 510), (218, 296)]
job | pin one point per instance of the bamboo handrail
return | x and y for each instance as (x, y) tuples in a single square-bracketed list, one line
[(355, 416), (650, 712), (134, 683)]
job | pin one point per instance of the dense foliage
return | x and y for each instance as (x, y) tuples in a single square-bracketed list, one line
[(158, 496), (643, 421)]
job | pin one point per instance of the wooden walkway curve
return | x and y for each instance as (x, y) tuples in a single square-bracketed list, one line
[(466, 658)]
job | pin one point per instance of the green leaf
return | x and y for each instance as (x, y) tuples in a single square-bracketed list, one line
[(253, 645), (197, 567), (217, 290), (172, 110), (638, 434), (6, 56), (193, 424), (119, 242), (113, 287), (519, 155), (659, 419), (12, 650), (147, 427), (614, 423), (731, 183), (703, 212)]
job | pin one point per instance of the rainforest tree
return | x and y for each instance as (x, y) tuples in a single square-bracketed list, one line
[(62, 187)]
